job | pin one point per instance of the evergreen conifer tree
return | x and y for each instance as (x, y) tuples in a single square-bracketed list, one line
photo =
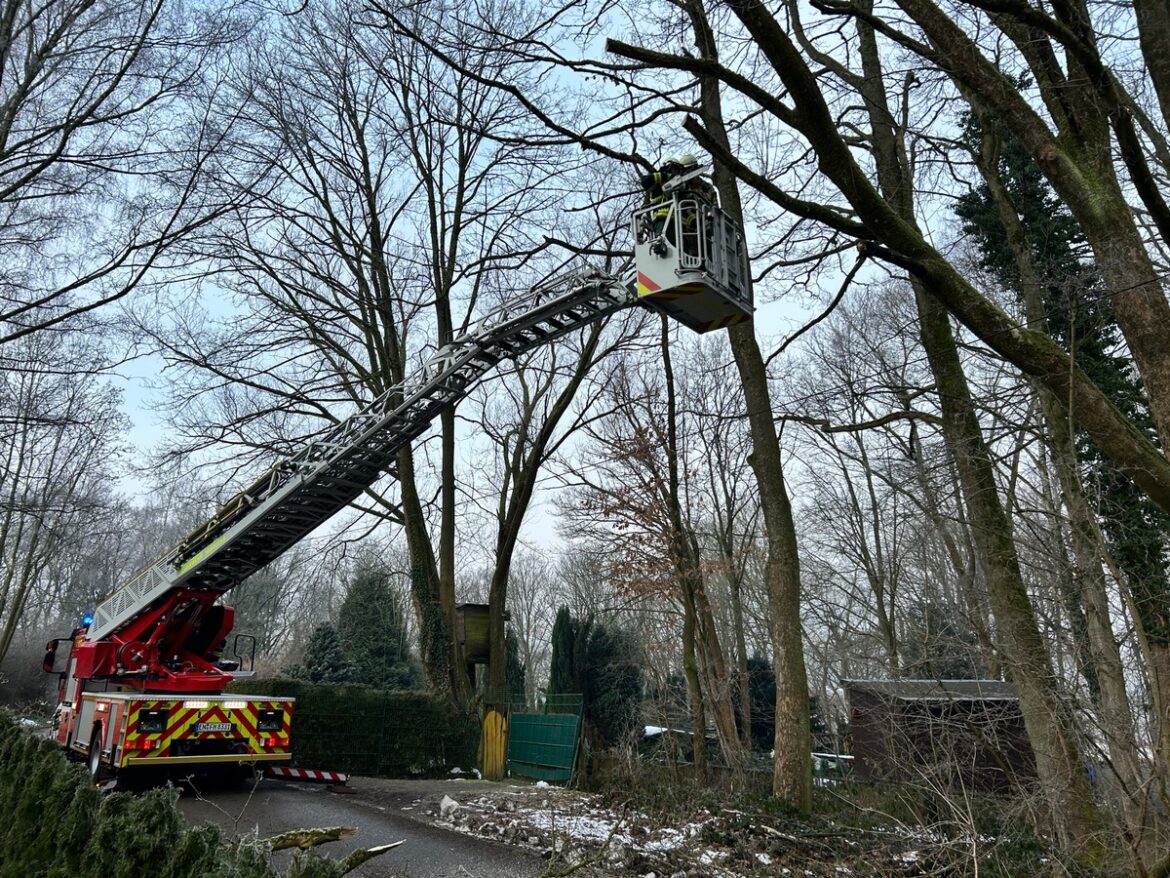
[(562, 675), (613, 683), (515, 672), (325, 659), (937, 643), (604, 665), (372, 626), (762, 697)]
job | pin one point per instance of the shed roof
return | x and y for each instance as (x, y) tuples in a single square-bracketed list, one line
[(936, 690)]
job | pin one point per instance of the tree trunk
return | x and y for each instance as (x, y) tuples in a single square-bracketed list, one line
[(685, 552), (1088, 553), (1050, 729), (791, 765), (1077, 822), (461, 684), (522, 467), (1153, 21), (434, 628), (695, 690), (1089, 549), (718, 679)]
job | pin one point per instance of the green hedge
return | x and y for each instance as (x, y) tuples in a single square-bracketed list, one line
[(373, 732), (57, 825)]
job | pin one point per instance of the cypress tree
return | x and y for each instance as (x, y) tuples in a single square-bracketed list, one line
[(562, 676), (604, 665)]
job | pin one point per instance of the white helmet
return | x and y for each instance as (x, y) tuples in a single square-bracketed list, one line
[(688, 160)]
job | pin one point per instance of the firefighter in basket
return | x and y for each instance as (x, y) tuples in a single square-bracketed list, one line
[(654, 185)]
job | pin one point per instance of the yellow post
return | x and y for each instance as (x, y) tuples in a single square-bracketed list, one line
[(495, 745)]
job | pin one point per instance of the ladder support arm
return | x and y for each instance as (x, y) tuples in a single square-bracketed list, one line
[(301, 492)]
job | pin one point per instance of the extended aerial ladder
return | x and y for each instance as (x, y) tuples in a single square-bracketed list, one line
[(141, 683)]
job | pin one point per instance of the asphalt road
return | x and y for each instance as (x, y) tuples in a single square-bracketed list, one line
[(382, 814)]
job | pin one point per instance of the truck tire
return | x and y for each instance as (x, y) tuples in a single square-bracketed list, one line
[(94, 761)]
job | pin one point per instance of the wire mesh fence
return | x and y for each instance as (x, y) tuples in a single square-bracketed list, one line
[(541, 703)]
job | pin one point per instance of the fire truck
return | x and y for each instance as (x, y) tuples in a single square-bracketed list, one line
[(142, 678)]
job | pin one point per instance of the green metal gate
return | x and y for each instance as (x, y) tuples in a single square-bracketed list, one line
[(543, 747)]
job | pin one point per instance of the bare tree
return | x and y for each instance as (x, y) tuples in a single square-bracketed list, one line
[(60, 441), (532, 608), (383, 203), (642, 494), (106, 159), (618, 119)]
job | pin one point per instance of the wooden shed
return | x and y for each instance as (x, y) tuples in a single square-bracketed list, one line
[(471, 630), (943, 733)]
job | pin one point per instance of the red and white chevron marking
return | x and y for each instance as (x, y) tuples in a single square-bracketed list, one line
[(307, 774)]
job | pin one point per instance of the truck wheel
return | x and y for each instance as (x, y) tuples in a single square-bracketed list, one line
[(94, 762)]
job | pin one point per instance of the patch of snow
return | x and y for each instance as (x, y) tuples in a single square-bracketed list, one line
[(764, 859), (578, 826), (448, 807), (541, 785), (669, 840), (655, 731)]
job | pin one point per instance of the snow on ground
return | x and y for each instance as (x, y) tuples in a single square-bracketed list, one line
[(575, 827)]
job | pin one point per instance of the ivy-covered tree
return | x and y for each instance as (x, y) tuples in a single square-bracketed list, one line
[(1032, 245), (372, 627), (1080, 317)]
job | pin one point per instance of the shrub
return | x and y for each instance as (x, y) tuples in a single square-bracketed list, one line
[(373, 732), (57, 825)]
